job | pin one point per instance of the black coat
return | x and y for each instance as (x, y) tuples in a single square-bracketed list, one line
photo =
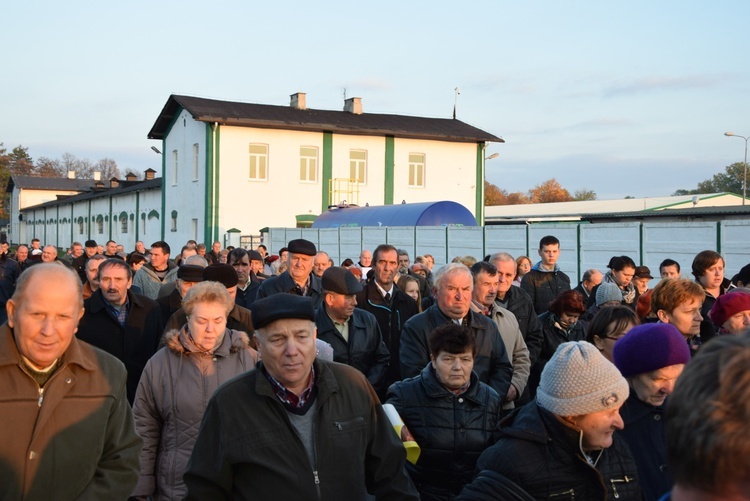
[(553, 337), (542, 456), (451, 430), (247, 297), (168, 305), (285, 283), (645, 434), (544, 286), (518, 302), (134, 343), (79, 264), (491, 363), (391, 319), (708, 329), (365, 350)]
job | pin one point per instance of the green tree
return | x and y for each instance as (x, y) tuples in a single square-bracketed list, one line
[(584, 194), (729, 181)]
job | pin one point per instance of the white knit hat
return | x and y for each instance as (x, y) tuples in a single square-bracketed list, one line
[(578, 380)]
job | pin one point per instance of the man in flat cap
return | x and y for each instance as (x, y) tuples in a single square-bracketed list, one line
[(187, 276), (353, 333), (79, 263), (296, 427), (298, 279)]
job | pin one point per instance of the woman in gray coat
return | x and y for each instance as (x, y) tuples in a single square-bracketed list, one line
[(177, 383)]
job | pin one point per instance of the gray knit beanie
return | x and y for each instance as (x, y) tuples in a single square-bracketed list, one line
[(578, 380), (608, 291)]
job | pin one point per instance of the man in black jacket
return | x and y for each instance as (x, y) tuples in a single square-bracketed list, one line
[(298, 279), (453, 285), (390, 305), (353, 334), (545, 280)]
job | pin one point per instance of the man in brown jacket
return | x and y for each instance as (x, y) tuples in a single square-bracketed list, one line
[(67, 431)]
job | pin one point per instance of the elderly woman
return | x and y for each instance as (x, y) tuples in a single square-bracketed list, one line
[(608, 325), (708, 270), (563, 444), (450, 413), (731, 312), (651, 357), (621, 273), (177, 383)]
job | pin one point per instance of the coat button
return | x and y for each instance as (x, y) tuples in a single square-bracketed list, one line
[(32, 455), (460, 400), (657, 417), (68, 380), (663, 467)]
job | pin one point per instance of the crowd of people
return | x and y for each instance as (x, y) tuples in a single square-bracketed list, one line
[(231, 373)]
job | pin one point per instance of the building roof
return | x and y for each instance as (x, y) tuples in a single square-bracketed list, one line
[(443, 213), (289, 118), (125, 187), (49, 183), (675, 212), (575, 211)]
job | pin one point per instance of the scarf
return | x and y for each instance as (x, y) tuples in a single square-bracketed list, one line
[(628, 294)]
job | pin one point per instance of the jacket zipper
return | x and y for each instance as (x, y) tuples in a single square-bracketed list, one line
[(315, 466), (615, 481), (41, 397), (571, 493)]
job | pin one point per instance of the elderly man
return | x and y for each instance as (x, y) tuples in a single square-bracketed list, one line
[(79, 263), (390, 305), (91, 284), (298, 279), (353, 333), (590, 279), (121, 323), (453, 287), (365, 261), (9, 272), (49, 254), (321, 262), (296, 427), (483, 301), (248, 283), (158, 272), (67, 431), (187, 276), (22, 257)]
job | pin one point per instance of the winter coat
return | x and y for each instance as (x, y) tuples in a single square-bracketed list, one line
[(518, 302), (9, 272), (285, 283), (365, 350), (391, 319), (451, 430), (491, 363), (248, 448), (75, 439), (645, 434), (542, 457), (134, 343), (554, 336), (246, 298), (544, 285), (172, 396), (168, 305), (149, 283)]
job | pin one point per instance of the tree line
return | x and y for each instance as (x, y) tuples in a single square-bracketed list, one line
[(546, 192)]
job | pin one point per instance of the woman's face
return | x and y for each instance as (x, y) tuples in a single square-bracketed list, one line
[(207, 324), (623, 277), (606, 343), (453, 369), (713, 276), (524, 267), (412, 290), (568, 319)]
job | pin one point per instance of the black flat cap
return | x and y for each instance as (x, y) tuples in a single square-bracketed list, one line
[(90, 243), (341, 280), (280, 306), (302, 246), (254, 255), (190, 273), (222, 273)]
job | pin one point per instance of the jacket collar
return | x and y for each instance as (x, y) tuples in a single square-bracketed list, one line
[(96, 302), (634, 409), (441, 318), (288, 283), (325, 381), (535, 424), (232, 342), (74, 355)]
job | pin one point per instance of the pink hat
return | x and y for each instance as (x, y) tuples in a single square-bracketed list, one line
[(728, 305)]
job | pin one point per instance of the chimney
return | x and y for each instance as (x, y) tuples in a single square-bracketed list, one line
[(299, 101), (353, 105), (97, 176), (71, 174), (130, 176), (150, 173), (114, 182)]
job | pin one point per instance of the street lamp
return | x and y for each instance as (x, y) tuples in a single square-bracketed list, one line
[(744, 166), (156, 150), (494, 155)]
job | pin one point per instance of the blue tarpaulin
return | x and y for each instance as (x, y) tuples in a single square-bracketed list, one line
[(443, 213)]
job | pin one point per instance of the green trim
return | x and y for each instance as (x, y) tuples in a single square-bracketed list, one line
[(578, 250), (57, 228), (153, 214), (233, 230), (71, 223), (640, 242), (217, 167), (110, 219), (480, 185), (207, 216), (718, 236), (45, 225), (137, 211), (327, 174), (390, 154), (88, 222), (163, 184), (305, 218), (176, 116), (702, 197)]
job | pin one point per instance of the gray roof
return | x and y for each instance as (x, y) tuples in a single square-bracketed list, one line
[(289, 118), (49, 183), (125, 187)]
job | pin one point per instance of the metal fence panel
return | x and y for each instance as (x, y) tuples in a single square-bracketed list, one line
[(679, 241), (431, 240), (510, 239), (402, 237), (466, 241), (734, 245)]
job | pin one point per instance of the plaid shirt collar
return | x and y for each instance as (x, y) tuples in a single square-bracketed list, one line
[(288, 397), (120, 315)]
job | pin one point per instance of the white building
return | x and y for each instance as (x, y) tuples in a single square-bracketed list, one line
[(231, 166)]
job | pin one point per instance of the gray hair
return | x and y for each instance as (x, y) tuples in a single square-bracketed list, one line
[(450, 269), (502, 257)]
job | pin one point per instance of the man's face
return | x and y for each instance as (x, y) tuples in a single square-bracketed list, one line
[(506, 273), (140, 247), (670, 272), (4, 248), (120, 248), (287, 348), (90, 251), (201, 251), (114, 284), (654, 387), (262, 251), (403, 262), (385, 268), (158, 258), (100, 249), (340, 306), (22, 253), (242, 267), (686, 317), (184, 286), (49, 254), (186, 253), (549, 254), (593, 281), (641, 284), (300, 266), (321, 263), (111, 248), (453, 369), (454, 295), (35, 244), (92, 273), (77, 250), (598, 428), (738, 322), (485, 288), (216, 247), (44, 323), (365, 258)]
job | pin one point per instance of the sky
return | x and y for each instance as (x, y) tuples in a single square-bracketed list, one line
[(622, 98)]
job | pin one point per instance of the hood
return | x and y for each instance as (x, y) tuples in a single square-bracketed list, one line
[(538, 267), (179, 342)]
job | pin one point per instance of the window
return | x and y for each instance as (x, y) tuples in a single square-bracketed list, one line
[(80, 226), (258, 162), (195, 161), (194, 228), (100, 225), (308, 163), (416, 170), (174, 167), (174, 220), (358, 166), (123, 225)]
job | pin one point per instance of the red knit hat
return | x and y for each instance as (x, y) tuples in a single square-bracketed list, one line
[(728, 305)]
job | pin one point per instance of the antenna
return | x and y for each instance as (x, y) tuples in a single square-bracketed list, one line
[(455, 101), (344, 89)]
